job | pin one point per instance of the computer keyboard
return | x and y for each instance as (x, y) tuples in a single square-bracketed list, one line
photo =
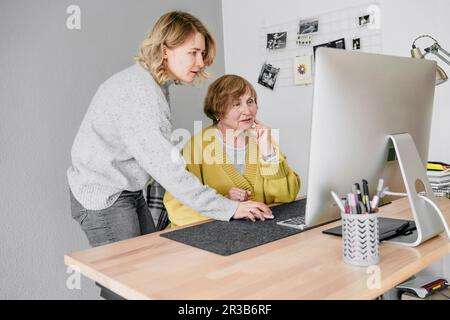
[(295, 222)]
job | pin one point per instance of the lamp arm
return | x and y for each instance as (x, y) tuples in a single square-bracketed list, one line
[(442, 58), (435, 48), (444, 51)]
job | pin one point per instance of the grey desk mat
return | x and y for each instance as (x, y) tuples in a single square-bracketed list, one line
[(226, 238)]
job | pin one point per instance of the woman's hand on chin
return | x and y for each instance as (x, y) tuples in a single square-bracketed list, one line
[(262, 134)]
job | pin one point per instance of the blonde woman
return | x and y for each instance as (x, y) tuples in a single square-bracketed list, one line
[(236, 155), (124, 139)]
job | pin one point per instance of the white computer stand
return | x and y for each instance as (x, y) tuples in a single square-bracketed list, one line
[(427, 215)]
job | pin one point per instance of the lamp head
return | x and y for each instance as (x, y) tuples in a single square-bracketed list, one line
[(441, 76), (416, 53)]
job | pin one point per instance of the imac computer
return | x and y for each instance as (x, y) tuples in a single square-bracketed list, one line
[(371, 119)]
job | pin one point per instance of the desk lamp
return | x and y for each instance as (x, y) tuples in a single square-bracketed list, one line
[(435, 49)]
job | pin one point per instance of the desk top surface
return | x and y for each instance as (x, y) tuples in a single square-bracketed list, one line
[(303, 266)]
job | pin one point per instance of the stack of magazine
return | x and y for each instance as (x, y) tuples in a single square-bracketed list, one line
[(439, 178)]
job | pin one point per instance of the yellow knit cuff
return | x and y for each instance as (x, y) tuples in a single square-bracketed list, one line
[(274, 170)]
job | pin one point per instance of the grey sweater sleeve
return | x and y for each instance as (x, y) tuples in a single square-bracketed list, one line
[(143, 124)]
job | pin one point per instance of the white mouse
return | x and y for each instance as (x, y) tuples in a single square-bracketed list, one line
[(266, 216)]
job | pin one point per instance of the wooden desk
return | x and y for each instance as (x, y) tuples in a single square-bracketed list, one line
[(304, 266)]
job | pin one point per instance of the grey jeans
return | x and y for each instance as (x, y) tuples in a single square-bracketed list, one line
[(128, 217)]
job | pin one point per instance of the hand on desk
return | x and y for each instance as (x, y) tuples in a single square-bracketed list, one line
[(252, 210)]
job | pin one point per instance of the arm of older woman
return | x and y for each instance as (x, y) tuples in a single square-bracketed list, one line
[(281, 183)]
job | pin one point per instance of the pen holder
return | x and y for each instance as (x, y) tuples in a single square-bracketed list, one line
[(360, 239)]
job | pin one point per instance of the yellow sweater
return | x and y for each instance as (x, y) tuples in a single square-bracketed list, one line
[(268, 182)]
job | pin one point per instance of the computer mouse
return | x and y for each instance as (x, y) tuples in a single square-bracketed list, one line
[(266, 216)]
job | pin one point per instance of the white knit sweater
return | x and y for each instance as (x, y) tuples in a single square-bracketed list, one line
[(124, 140)]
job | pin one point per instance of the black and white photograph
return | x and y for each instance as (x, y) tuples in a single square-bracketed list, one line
[(338, 44), (364, 20), (308, 26), (356, 44), (268, 76), (276, 40)]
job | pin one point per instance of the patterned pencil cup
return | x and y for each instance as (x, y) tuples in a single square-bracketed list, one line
[(360, 239)]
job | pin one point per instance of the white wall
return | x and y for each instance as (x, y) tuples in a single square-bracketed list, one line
[(47, 79), (403, 21), (290, 108), (440, 133)]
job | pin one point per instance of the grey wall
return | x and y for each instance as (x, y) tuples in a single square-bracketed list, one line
[(48, 75)]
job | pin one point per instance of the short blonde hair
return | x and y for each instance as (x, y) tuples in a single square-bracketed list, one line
[(222, 92), (172, 30)]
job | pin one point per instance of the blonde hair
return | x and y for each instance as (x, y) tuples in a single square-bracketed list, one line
[(172, 30), (222, 92)]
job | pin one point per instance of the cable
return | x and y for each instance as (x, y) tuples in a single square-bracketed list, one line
[(423, 36), (390, 193), (398, 194), (444, 295)]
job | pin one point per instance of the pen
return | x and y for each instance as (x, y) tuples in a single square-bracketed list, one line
[(346, 206), (354, 189), (358, 207), (380, 187), (366, 195), (355, 192), (374, 202), (358, 192), (352, 203), (362, 207), (347, 209), (338, 201), (377, 197)]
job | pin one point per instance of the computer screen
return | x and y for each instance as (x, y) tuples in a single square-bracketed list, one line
[(359, 100)]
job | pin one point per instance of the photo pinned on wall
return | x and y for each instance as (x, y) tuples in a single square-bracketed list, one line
[(356, 44), (268, 76), (303, 70), (276, 40), (365, 20), (308, 26), (337, 44), (304, 40)]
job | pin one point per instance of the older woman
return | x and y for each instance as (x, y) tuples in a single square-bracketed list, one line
[(236, 155), (124, 139)]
